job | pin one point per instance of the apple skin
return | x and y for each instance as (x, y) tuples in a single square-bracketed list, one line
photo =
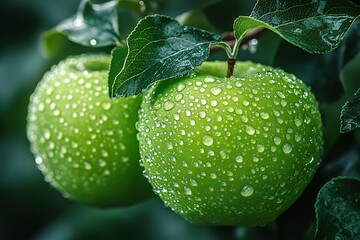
[(85, 143), (230, 151)]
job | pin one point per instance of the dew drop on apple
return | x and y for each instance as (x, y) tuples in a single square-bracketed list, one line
[(38, 160), (193, 182), (264, 115), (178, 97), (239, 159), (215, 90), (187, 191), (283, 103), (247, 191), (169, 145), (277, 140), (168, 105), (287, 148), (213, 103), (250, 130), (298, 121), (104, 153), (180, 87), (56, 112), (208, 140), (202, 114), (260, 148), (102, 163), (106, 105), (47, 134), (213, 176), (244, 118), (209, 80), (245, 103), (87, 166)]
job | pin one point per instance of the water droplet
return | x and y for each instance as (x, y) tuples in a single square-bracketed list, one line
[(56, 112), (215, 90), (260, 148), (298, 30), (47, 134), (247, 191), (283, 103), (106, 105), (245, 103), (250, 130), (38, 160), (180, 87), (93, 42), (277, 140), (74, 144), (78, 22), (178, 97), (169, 145), (41, 107), (287, 148), (310, 161), (187, 191), (280, 94), (223, 154), (214, 103), (168, 105), (239, 159), (298, 121), (253, 45), (230, 109), (202, 114), (208, 140), (176, 116), (87, 166), (238, 111), (209, 80), (193, 182), (264, 115), (244, 119), (213, 176), (102, 163)]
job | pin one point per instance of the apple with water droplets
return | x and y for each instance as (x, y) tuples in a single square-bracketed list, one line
[(85, 144), (230, 151)]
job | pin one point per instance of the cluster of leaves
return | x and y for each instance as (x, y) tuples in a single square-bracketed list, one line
[(151, 47)]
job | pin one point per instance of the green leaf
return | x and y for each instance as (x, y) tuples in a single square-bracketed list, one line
[(160, 48), (350, 114), (118, 56), (94, 25), (337, 209), (316, 26)]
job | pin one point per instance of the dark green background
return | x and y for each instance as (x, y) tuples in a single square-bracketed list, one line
[(31, 209)]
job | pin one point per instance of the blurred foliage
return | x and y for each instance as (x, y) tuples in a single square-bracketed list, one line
[(31, 209)]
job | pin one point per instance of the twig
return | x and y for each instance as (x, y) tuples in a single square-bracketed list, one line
[(229, 38)]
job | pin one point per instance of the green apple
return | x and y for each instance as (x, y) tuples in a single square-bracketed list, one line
[(230, 151), (85, 144)]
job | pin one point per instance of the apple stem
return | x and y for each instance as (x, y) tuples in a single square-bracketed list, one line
[(231, 65)]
